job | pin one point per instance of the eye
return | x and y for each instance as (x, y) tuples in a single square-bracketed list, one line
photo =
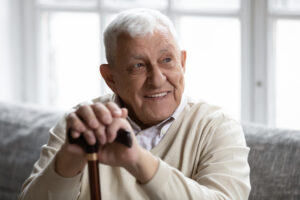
[(138, 65), (166, 60)]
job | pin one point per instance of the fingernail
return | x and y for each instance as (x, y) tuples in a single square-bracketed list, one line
[(118, 112)]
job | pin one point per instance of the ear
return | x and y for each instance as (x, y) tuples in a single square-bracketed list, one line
[(183, 59), (106, 73)]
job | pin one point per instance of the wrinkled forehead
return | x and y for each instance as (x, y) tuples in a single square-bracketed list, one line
[(157, 39)]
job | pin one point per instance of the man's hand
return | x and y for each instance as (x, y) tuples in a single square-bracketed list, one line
[(101, 122)]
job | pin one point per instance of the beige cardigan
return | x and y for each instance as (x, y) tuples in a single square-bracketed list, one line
[(202, 156)]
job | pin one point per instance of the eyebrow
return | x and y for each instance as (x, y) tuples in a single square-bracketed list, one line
[(139, 56)]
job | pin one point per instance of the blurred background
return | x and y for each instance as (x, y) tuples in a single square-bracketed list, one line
[(243, 55)]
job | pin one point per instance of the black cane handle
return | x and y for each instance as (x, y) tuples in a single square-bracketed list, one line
[(123, 137)]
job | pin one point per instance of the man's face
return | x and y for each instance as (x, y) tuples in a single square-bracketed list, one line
[(148, 75)]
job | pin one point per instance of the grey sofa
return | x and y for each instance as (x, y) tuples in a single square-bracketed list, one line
[(274, 157)]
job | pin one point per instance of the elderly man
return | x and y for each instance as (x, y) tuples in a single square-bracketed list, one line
[(181, 149)]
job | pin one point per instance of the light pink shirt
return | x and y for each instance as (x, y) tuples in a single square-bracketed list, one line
[(150, 137)]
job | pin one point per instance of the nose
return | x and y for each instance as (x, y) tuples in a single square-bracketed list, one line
[(156, 77)]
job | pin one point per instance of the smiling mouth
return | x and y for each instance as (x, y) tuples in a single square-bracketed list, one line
[(157, 95)]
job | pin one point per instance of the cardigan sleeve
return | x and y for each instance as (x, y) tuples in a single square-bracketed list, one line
[(44, 182), (222, 173)]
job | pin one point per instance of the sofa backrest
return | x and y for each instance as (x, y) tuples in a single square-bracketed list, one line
[(274, 161), (23, 130)]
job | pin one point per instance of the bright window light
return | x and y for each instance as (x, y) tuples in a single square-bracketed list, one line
[(82, 3), (284, 5), (74, 52), (208, 4), (213, 61), (287, 73), (158, 4)]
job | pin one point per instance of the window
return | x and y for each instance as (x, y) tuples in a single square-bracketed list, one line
[(241, 54), (207, 5), (286, 26), (72, 56), (72, 52), (287, 73), (213, 60)]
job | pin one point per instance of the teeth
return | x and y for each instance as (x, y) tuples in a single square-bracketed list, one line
[(157, 95)]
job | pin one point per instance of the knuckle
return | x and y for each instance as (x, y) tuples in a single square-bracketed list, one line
[(74, 122), (71, 118), (82, 109), (71, 115), (98, 104), (114, 108), (77, 127), (88, 135), (112, 105), (100, 109)]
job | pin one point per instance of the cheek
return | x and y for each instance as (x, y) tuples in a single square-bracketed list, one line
[(181, 81), (181, 77), (177, 79), (129, 86)]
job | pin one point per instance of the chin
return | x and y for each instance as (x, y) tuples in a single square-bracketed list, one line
[(159, 116)]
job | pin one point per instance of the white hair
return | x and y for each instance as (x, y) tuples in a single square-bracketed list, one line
[(135, 22)]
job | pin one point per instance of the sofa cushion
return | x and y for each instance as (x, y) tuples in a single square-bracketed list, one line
[(274, 161), (23, 130)]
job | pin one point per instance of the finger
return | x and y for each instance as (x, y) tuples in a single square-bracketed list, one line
[(114, 109), (75, 123), (89, 137), (88, 116), (103, 113), (75, 134), (124, 112), (113, 128), (100, 133)]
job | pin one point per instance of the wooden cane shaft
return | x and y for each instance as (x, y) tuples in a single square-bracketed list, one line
[(93, 167), (123, 137)]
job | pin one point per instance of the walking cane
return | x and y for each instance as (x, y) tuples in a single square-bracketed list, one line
[(123, 137)]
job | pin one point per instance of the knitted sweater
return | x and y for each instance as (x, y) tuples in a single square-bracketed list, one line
[(202, 156)]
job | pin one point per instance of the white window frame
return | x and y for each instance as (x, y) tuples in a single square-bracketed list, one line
[(257, 67), (273, 16), (263, 55)]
